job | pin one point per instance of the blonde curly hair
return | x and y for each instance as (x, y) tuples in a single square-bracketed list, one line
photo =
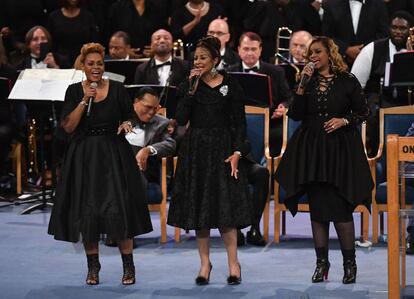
[(336, 62), (91, 48)]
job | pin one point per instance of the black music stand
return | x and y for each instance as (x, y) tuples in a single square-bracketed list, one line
[(401, 73), (4, 93), (257, 88), (168, 98), (124, 67)]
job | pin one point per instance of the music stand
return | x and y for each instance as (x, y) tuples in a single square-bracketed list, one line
[(167, 96), (257, 88), (42, 90), (124, 67), (401, 73)]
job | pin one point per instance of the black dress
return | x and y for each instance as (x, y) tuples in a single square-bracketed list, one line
[(101, 189), (205, 195), (331, 169)]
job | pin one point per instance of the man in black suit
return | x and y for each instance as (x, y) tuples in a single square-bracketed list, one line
[(220, 29), (250, 49), (162, 69), (354, 23)]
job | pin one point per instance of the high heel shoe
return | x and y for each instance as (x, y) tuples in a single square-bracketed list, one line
[(129, 269), (233, 279), (201, 280), (350, 271), (321, 271), (93, 269)]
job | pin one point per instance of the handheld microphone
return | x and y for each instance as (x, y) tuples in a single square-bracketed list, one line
[(305, 79), (90, 100), (193, 84)]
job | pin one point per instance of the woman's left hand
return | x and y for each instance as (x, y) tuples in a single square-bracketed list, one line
[(234, 163), (126, 126), (333, 124)]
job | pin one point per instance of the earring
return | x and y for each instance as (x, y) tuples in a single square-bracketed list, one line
[(213, 72)]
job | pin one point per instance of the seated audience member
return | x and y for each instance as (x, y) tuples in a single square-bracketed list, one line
[(258, 176), (70, 27), (220, 29), (34, 38), (120, 47), (190, 22), (250, 49), (297, 46), (162, 69), (410, 181), (369, 68)]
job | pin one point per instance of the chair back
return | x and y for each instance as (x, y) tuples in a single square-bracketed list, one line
[(257, 131), (394, 120)]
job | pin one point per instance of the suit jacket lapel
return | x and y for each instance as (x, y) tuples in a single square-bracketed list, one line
[(348, 18), (363, 17), (153, 72), (149, 130)]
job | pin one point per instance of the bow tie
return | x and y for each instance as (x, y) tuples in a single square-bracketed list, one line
[(37, 59), (253, 69), (163, 64)]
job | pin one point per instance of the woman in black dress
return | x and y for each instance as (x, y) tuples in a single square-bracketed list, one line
[(101, 189), (210, 187), (325, 157)]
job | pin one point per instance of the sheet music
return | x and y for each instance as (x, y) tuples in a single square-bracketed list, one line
[(44, 84)]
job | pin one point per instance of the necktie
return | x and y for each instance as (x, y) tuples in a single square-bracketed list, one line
[(253, 69), (163, 64)]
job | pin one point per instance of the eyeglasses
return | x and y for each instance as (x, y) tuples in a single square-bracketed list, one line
[(216, 33)]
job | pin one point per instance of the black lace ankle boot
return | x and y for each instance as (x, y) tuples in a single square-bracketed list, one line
[(350, 271), (93, 269), (129, 269), (321, 270)]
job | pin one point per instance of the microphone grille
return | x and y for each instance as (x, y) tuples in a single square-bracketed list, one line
[(94, 84), (311, 64)]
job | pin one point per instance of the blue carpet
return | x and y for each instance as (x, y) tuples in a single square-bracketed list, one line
[(33, 265)]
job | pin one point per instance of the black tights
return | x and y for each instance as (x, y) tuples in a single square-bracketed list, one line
[(346, 236)]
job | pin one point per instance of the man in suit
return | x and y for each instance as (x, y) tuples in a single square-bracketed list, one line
[(220, 29), (120, 46), (369, 68), (162, 69), (250, 49), (354, 23), (150, 141), (298, 44)]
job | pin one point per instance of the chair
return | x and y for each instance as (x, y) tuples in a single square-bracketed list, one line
[(257, 132), (157, 194), (289, 127), (394, 120)]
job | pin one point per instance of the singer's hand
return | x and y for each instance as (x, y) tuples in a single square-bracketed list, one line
[(333, 124), (142, 158), (234, 163), (89, 92), (307, 70), (195, 73), (279, 111)]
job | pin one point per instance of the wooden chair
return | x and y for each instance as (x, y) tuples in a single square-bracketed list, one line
[(289, 127), (160, 207), (399, 149), (395, 120), (257, 119), (16, 156)]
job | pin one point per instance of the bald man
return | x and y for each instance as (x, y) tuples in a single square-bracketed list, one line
[(220, 29), (298, 44), (162, 69)]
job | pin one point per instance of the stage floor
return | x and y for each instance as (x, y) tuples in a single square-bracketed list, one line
[(33, 265)]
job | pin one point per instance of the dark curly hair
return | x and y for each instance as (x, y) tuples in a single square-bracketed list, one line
[(212, 45)]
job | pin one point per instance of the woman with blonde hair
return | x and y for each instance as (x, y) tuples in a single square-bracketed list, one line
[(101, 189), (325, 157)]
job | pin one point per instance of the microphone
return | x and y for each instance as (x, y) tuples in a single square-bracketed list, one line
[(90, 100), (305, 79), (193, 84)]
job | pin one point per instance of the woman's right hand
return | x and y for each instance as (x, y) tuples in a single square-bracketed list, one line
[(89, 92), (308, 70)]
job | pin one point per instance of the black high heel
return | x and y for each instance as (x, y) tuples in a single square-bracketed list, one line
[(93, 269), (201, 280), (233, 279), (321, 271), (350, 271), (129, 269)]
